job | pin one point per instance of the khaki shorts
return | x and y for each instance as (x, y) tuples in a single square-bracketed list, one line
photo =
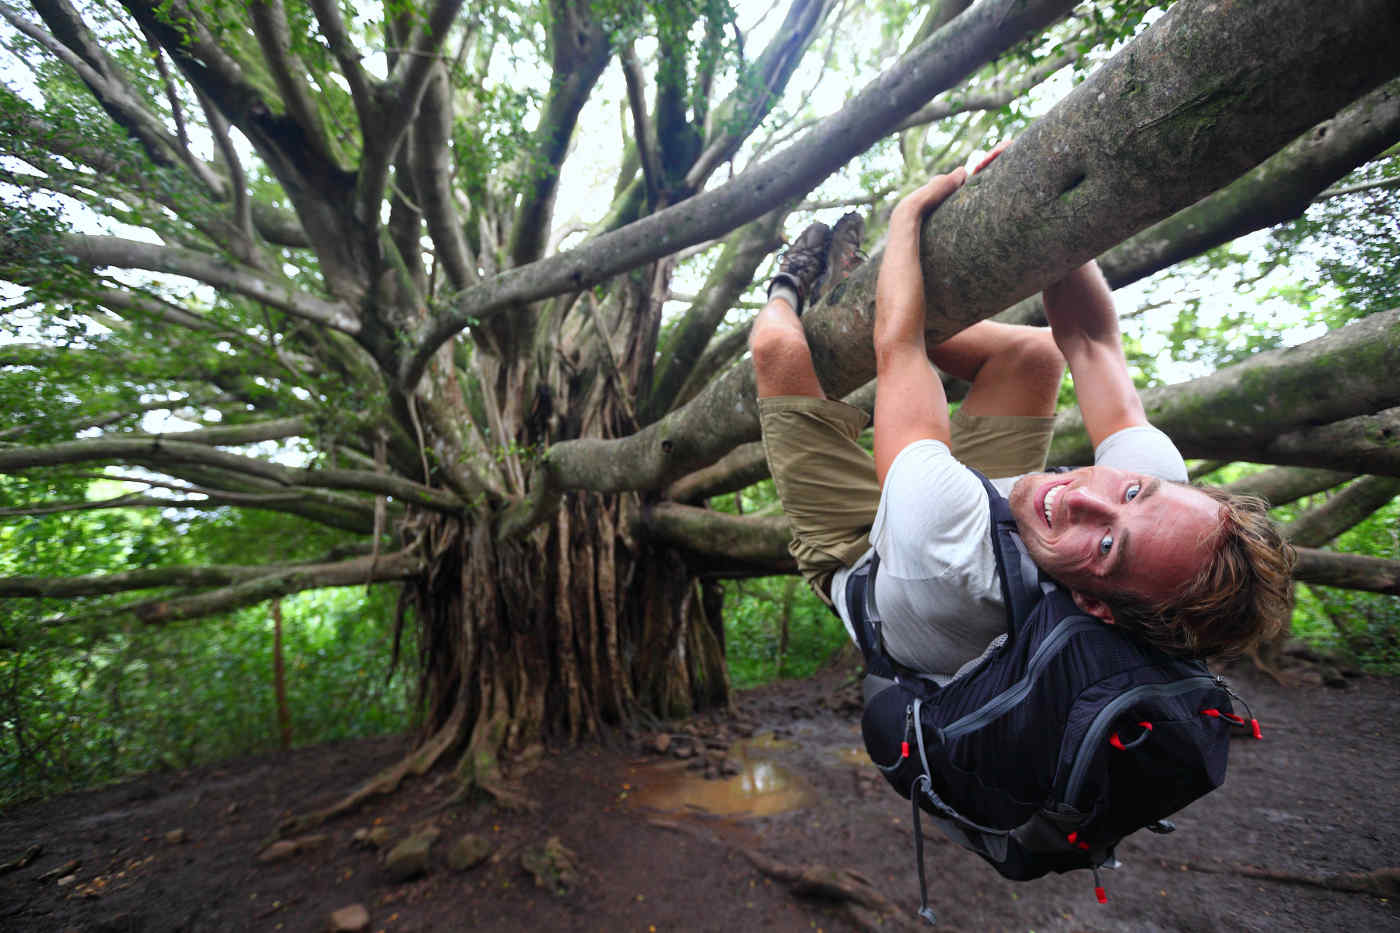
[(826, 480)]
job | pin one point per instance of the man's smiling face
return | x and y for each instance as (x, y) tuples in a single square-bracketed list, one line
[(1100, 530)]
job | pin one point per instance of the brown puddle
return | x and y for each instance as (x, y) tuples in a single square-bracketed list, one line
[(761, 788)]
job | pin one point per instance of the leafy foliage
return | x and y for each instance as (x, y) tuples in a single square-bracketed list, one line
[(1354, 240), (84, 703), (775, 628), (1362, 626)]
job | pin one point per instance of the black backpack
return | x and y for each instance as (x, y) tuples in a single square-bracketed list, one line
[(1063, 738)]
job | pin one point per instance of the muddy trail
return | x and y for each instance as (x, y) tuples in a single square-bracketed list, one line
[(768, 817)]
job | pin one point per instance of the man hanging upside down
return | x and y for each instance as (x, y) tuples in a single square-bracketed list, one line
[(1191, 570)]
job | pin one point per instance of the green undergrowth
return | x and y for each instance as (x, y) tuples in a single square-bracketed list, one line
[(88, 710), (754, 619)]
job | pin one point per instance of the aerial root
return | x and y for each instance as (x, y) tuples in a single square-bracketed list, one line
[(1382, 882), (385, 782), (847, 890)]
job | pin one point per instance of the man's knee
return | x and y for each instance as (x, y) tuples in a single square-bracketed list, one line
[(776, 341), (1034, 358), (782, 360)]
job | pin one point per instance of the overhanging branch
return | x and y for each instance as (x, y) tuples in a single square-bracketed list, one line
[(282, 582), (1347, 571), (1273, 401), (148, 578), (159, 453), (935, 65), (1103, 164)]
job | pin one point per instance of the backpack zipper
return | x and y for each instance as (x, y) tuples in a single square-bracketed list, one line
[(1105, 718), (1002, 702)]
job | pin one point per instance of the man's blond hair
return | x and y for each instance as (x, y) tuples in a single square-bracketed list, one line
[(1241, 597)]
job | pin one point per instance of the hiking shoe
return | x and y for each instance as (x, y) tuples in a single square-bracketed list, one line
[(803, 264), (845, 254)]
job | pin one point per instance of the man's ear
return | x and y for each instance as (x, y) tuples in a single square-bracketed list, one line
[(1094, 606)]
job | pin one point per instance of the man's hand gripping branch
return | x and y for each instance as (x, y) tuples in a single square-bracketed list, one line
[(910, 403)]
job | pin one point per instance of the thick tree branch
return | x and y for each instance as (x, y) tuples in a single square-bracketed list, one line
[(211, 270), (731, 276), (148, 578), (981, 33), (744, 109), (741, 467), (158, 453), (1353, 505), (993, 98), (430, 159), (1365, 443), (358, 572), (643, 133), (1242, 410), (1282, 485), (579, 51), (76, 48), (347, 56), (395, 103), (1347, 571), (275, 40), (1278, 190), (320, 190), (746, 539)]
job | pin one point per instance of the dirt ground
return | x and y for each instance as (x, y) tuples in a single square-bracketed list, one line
[(1304, 812)]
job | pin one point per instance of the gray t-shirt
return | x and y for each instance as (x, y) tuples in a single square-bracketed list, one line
[(937, 588)]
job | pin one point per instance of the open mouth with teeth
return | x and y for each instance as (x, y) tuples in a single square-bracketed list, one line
[(1048, 504)]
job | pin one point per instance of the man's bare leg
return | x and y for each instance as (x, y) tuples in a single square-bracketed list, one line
[(782, 360), (1014, 369)]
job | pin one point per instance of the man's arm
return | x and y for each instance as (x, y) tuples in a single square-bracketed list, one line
[(910, 404), (1084, 323)]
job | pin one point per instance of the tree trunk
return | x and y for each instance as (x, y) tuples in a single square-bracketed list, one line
[(558, 634), (279, 679)]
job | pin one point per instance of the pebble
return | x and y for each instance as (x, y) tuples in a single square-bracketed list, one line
[(351, 919)]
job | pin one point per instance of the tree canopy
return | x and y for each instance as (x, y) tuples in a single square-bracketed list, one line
[(457, 297)]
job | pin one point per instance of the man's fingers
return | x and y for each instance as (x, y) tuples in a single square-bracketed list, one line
[(940, 186), (990, 157)]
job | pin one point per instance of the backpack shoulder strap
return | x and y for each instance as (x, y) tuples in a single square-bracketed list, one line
[(1021, 583)]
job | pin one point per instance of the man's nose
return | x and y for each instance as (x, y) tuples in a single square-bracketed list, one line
[(1088, 505)]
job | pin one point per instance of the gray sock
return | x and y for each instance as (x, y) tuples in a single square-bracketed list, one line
[(780, 289)]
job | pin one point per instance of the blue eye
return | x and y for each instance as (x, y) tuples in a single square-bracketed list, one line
[(1106, 544), (1132, 492)]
